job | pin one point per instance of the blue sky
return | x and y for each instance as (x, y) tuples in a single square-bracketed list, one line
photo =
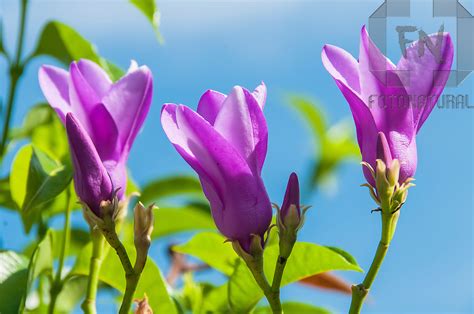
[(219, 44)]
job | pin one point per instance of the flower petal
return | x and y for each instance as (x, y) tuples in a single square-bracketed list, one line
[(54, 83), (426, 75), (239, 202), (128, 102), (95, 76), (342, 66), (104, 133), (210, 104), (292, 195), (242, 123), (91, 179), (260, 94), (379, 80)]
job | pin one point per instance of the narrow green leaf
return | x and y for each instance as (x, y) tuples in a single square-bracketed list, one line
[(211, 249), (112, 274), (35, 180), (13, 279), (40, 262), (2, 48), (306, 259), (71, 295), (294, 308), (172, 186), (151, 12), (62, 42)]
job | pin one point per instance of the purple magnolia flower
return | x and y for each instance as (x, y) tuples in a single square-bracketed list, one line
[(102, 119), (292, 197), (225, 142), (392, 99)]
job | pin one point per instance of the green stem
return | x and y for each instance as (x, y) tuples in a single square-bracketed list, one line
[(16, 70), (360, 292), (273, 297), (132, 274), (58, 283), (98, 241)]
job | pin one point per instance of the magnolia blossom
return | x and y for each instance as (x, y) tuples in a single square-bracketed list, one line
[(102, 119), (225, 142), (392, 99)]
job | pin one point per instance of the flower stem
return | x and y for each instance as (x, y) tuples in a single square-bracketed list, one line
[(16, 70), (58, 283), (273, 297), (360, 292), (132, 274), (98, 241)]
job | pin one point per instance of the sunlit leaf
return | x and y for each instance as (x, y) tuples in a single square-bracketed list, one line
[(334, 144), (112, 274), (151, 12), (62, 42), (35, 180), (13, 279), (306, 259), (294, 308), (172, 186), (211, 249), (171, 220), (71, 295)]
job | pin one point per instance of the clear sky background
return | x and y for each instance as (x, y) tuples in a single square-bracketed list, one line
[(218, 44)]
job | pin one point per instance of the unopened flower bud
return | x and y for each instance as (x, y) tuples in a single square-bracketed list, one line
[(143, 224), (290, 216)]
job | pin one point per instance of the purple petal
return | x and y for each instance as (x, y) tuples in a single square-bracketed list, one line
[(365, 127), (383, 149), (128, 102), (104, 133), (382, 90), (210, 104), (95, 76), (342, 66), (242, 123), (239, 202), (54, 83), (426, 75), (292, 195), (260, 94), (91, 179), (404, 150)]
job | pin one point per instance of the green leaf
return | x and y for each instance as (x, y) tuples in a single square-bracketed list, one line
[(211, 249), (13, 279), (79, 238), (335, 144), (62, 42), (170, 187), (151, 280), (307, 259), (294, 308), (151, 12), (6, 200), (72, 293), (41, 262), (35, 180), (171, 220)]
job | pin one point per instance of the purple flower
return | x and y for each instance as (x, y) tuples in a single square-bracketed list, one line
[(102, 119), (225, 142), (292, 197), (392, 99)]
